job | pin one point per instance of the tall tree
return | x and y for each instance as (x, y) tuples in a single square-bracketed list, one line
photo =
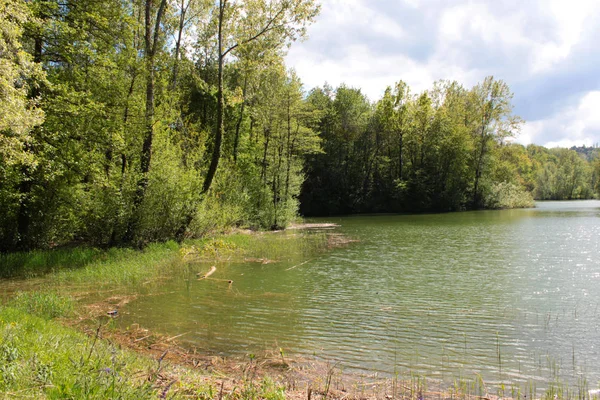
[(19, 76), (241, 23), (152, 34), (490, 104)]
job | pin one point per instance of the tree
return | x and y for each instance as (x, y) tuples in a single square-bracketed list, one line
[(188, 12), (152, 30), (493, 122), (19, 77), (242, 23)]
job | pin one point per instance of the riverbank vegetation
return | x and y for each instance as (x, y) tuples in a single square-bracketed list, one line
[(53, 344), (130, 122), (42, 358), (121, 266)]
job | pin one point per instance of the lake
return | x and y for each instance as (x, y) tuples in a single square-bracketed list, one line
[(511, 296)]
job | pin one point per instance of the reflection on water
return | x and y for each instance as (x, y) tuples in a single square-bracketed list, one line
[(510, 295)]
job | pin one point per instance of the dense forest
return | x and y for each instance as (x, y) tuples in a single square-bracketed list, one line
[(131, 121)]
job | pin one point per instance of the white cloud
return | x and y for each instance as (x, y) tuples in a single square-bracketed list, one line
[(372, 44), (570, 19), (574, 126)]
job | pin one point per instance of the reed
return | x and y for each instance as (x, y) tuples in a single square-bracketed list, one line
[(39, 262)]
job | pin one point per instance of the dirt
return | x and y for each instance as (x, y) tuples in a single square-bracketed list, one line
[(302, 378)]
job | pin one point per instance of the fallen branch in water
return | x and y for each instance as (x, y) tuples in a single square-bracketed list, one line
[(299, 265), (175, 337), (209, 273)]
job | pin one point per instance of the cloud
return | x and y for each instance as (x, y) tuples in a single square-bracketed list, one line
[(544, 49), (572, 126)]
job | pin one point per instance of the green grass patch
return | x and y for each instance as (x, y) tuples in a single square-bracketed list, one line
[(268, 246), (39, 262), (115, 266), (40, 358), (126, 266), (121, 266), (45, 305)]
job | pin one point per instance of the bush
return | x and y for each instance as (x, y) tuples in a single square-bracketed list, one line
[(508, 195)]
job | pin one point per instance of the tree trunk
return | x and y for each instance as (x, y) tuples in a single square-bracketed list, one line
[(150, 43), (178, 43), (216, 155), (478, 168), (23, 240), (289, 149), (400, 156)]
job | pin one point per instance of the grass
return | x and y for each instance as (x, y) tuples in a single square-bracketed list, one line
[(39, 262), (116, 266), (125, 266), (266, 246), (40, 358), (121, 266), (45, 305)]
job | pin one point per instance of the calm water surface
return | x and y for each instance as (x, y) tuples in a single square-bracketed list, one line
[(511, 295)]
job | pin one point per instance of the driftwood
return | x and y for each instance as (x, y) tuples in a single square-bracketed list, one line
[(209, 273)]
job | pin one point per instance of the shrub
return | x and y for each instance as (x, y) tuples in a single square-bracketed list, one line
[(508, 195)]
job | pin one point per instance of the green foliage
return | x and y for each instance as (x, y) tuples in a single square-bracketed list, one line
[(508, 195), (45, 305), (110, 136), (129, 130), (19, 76), (562, 174), (37, 262), (42, 359), (433, 151), (441, 150)]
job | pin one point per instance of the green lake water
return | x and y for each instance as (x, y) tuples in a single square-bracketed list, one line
[(513, 296)]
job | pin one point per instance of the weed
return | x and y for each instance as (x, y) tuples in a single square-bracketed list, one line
[(46, 305), (42, 359)]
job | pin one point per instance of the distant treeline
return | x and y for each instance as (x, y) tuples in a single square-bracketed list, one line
[(131, 121), (448, 148)]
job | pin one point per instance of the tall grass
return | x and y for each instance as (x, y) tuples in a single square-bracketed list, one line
[(280, 246), (38, 262), (120, 266), (115, 266), (43, 359), (45, 305), (124, 266)]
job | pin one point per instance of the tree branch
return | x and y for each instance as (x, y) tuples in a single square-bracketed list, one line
[(161, 10), (268, 27)]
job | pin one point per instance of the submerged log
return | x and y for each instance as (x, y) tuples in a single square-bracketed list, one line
[(209, 273)]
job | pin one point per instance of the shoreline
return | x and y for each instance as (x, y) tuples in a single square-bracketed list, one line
[(178, 370)]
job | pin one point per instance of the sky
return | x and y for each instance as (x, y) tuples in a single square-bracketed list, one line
[(547, 51)]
